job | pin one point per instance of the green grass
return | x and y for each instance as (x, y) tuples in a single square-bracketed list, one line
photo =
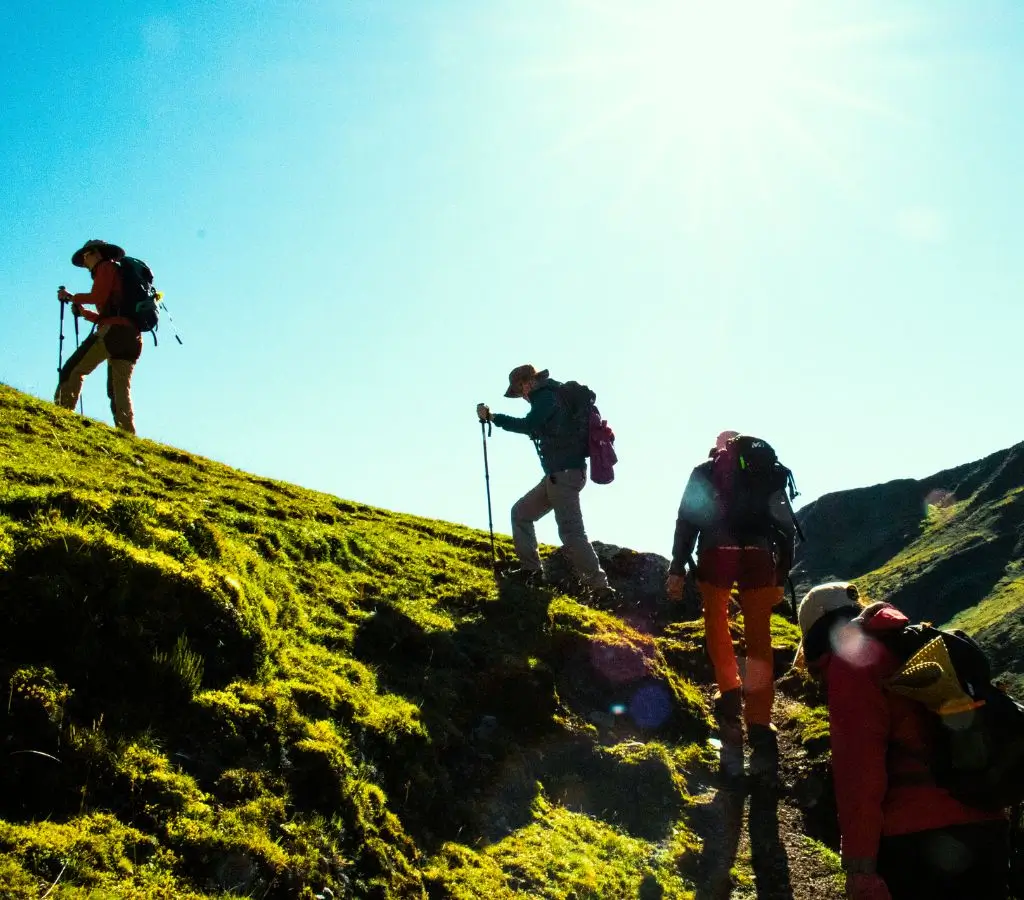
[(1007, 597), (223, 685)]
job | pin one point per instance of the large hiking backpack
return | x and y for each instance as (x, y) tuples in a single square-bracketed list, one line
[(978, 739), (139, 299), (747, 475), (583, 419)]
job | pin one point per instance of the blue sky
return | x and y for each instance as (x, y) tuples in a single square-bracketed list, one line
[(796, 219)]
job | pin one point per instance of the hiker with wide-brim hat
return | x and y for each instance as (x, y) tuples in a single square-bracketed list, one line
[(115, 339), (563, 459), (903, 837)]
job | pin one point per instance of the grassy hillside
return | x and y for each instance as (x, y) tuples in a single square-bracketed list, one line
[(949, 549), (221, 685)]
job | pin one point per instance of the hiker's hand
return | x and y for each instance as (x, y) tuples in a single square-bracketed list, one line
[(76, 309), (861, 886), (63, 294), (483, 413), (674, 587)]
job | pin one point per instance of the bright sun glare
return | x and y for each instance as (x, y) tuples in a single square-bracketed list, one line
[(718, 63), (717, 91)]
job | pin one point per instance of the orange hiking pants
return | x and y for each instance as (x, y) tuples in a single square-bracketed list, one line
[(757, 595)]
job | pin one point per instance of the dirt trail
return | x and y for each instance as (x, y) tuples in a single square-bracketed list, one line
[(761, 832)]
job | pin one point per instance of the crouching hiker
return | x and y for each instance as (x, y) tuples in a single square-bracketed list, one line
[(736, 504), (903, 835), (562, 445), (116, 339)]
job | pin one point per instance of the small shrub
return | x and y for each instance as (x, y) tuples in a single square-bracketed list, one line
[(40, 686), (183, 666)]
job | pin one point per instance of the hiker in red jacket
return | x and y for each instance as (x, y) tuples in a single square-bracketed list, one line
[(116, 339), (902, 835)]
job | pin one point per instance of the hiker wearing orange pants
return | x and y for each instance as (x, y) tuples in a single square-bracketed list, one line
[(736, 504), (757, 596)]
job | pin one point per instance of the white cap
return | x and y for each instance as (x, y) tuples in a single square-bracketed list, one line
[(819, 601)]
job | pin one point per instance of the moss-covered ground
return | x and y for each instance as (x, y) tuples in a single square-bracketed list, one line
[(222, 685)]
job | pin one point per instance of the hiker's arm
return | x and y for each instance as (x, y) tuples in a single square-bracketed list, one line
[(102, 288), (859, 726), (695, 509), (541, 409), (682, 546)]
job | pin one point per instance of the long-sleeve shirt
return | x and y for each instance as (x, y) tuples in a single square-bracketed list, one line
[(558, 445), (881, 747), (701, 514), (105, 295)]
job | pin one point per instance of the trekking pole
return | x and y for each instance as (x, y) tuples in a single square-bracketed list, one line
[(170, 318), (485, 431), (60, 345), (81, 401)]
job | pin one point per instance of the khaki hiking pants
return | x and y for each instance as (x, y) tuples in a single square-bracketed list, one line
[(559, 492), (120, 346)]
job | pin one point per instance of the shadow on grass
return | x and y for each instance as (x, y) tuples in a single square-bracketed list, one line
[(721, 827)]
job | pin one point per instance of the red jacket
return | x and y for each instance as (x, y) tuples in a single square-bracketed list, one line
[(880, 746), (105, 295)]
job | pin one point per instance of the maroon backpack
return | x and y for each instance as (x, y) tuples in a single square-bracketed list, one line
[(602, 451)]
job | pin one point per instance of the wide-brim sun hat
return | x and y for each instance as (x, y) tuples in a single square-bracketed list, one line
[(520, 374), (108, 250)]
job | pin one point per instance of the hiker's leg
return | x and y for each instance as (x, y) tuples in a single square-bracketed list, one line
[(717, 636), (759, 682), (119, 390), (759, 678), (85, 359), (564, 493), (124, 345), (533, 505)]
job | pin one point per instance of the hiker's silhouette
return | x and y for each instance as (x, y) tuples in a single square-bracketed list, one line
[(721, 830), (721, 833), (767, 855)]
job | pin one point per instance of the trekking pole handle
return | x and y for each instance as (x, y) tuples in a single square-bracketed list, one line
[(483, 421)]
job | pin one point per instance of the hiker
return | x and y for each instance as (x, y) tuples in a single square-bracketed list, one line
[(115, 338), (902, 835), (745, 525), (562, 450)]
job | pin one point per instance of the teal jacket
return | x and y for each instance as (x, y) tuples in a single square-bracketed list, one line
[(559, 445)]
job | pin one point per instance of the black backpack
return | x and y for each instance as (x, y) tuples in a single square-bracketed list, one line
[(575, 401), (581, 422), (978, 754), (746, 475), (139, 299)]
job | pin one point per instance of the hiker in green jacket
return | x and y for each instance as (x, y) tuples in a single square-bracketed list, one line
[(563, 459)]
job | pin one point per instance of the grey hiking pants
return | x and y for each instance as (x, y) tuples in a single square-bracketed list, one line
[(559, 492)]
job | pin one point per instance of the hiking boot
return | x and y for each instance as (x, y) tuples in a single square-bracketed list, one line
[(529, 578), (728, 711), (764, 755)]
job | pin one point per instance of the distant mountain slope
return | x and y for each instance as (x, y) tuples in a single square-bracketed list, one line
[(947, 548)]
